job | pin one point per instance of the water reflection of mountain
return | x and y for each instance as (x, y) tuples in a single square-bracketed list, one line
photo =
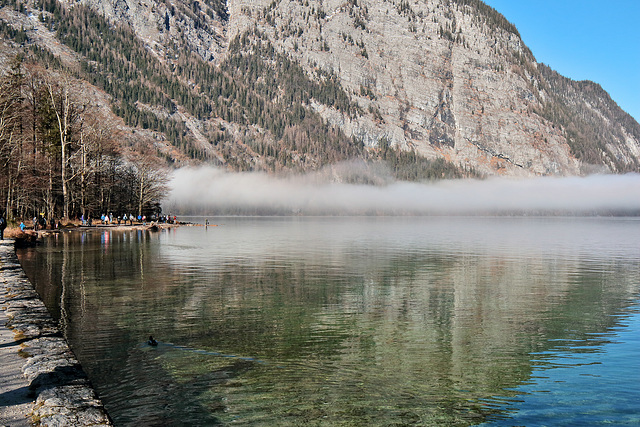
[(431, 318)]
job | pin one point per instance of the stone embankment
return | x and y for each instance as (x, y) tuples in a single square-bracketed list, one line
[(42, 382)]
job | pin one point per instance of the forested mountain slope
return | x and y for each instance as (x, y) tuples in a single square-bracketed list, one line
[(436, 88)]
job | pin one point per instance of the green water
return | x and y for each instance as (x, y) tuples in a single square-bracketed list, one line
[(354, 321)]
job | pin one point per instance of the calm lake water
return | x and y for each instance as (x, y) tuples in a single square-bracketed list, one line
[(355, 321)]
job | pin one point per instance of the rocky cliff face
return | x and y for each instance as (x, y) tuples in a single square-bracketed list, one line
[(169, 26), (442, 78), (450, 79)]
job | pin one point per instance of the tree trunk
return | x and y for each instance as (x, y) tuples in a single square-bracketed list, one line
[(63, 128), (83, 184), (141, 195), (49, 202)]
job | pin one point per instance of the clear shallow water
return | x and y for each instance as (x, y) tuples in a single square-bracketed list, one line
[(585, 386), (355, 321)]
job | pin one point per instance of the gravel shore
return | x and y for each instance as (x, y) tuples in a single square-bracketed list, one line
[(41, 381)]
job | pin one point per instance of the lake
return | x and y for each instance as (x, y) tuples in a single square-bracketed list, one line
[(354, 321)]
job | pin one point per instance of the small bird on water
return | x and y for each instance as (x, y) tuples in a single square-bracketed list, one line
[(152, 342)]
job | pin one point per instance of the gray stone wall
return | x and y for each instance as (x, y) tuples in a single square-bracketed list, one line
[(61, 392)]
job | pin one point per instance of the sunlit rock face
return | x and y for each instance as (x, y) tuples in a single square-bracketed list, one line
[(444, 80), (449, 79)]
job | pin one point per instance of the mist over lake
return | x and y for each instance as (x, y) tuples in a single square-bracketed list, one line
[(323, 193)]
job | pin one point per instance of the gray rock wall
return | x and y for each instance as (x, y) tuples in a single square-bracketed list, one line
[(446, 80), (62, 393)]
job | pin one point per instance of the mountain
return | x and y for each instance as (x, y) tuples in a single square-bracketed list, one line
[(437, 88)]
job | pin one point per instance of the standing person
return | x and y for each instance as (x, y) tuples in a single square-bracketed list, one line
[(3, 225), (22, 226)]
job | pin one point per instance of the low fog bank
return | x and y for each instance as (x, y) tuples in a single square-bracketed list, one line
[(210, 191)]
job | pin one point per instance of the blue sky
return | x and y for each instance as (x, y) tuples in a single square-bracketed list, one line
[(597, 40)]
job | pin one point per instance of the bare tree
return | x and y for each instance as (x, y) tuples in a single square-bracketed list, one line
[(60, 153), (151, 177), (68, 115), (97, 141), (10, 133)]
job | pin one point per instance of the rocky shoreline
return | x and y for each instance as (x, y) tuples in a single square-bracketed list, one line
[(43, 382)]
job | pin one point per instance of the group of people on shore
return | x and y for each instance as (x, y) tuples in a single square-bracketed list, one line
[(111, 219), (37, 222), (107, 219), (41, 223)]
